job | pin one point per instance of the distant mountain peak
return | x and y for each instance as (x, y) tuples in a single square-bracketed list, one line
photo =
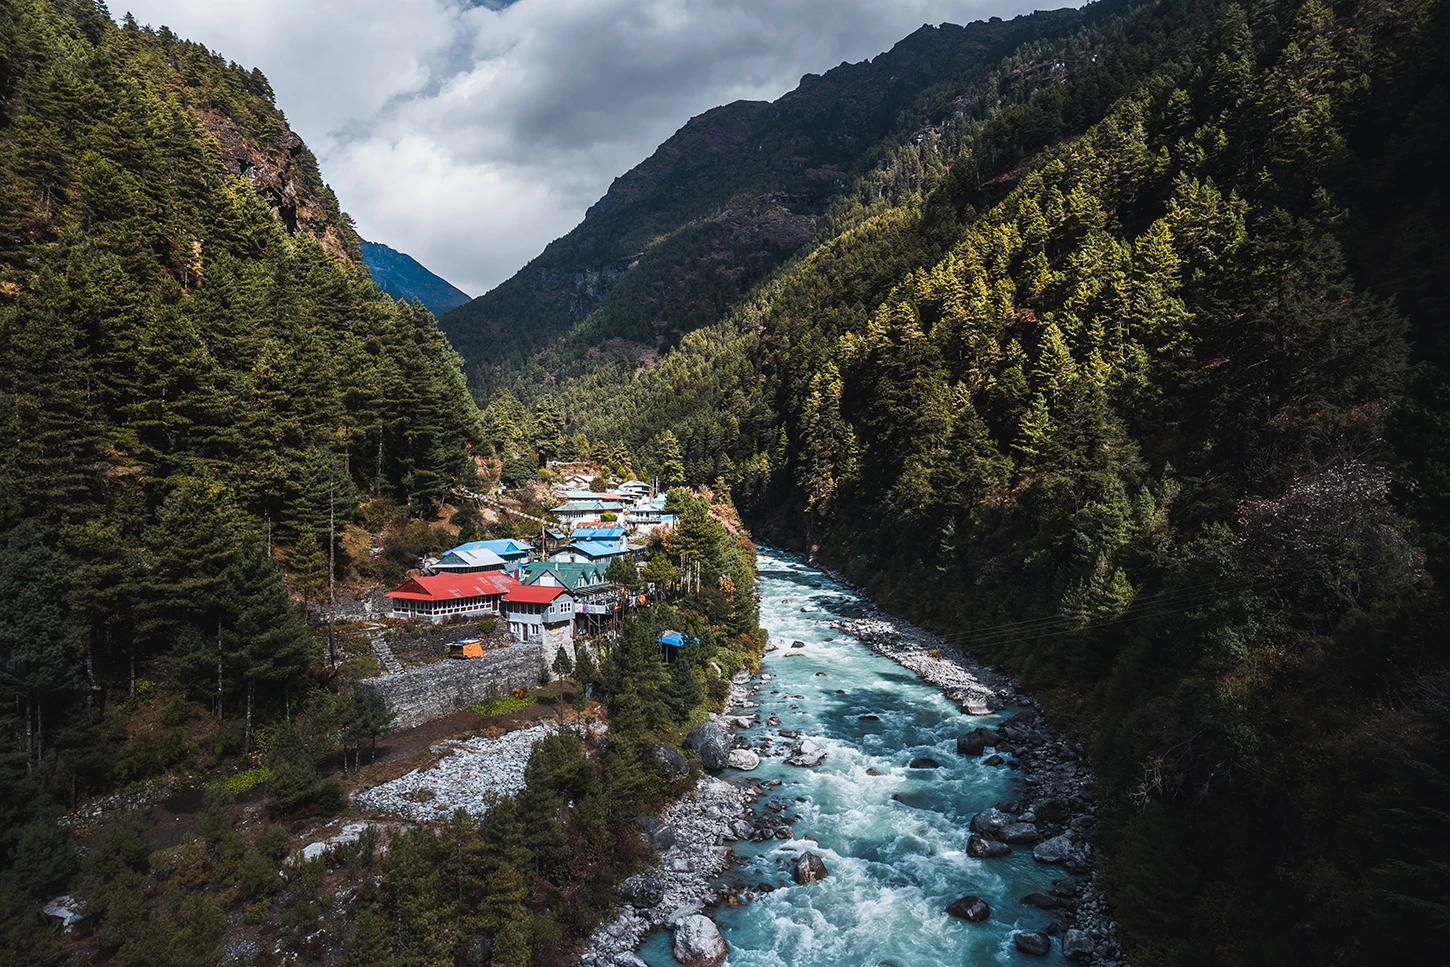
[(404, 277)]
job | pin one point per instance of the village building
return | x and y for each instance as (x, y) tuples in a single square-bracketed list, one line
[(635, 490), (510, 549), (581, 579), (467, 561), (542, 614), (608, 534), (576, 511), (440, 596), (591, 552)]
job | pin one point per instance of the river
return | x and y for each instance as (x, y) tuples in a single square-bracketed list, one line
[(893, 838)]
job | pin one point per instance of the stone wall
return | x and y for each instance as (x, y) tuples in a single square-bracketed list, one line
[(430, 691), (552, 640)]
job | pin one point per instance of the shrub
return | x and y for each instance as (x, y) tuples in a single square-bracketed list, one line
[(293, 783), (276, 843), (219, 817), (516, 473)]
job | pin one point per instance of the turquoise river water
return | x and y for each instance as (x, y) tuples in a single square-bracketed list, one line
[(895, 843)]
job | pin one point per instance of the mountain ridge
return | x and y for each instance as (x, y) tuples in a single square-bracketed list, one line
[(404, 277), (703, 218)]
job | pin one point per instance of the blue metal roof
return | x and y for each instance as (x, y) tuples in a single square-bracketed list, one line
[(596, 548), (506, 547), (598, 533), (673, 638)]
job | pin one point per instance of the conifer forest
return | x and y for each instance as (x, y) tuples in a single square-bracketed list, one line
[(1113, 354)]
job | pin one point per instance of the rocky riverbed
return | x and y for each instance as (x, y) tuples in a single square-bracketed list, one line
[(693, 838), (1056, 812)]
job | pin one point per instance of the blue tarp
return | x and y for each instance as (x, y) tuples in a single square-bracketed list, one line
[(674, 639)]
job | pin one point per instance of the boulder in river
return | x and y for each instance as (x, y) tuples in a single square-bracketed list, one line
[(924, 763), (807, 754), (972, 908), (674, 764), (1042, 901), (976, 741), (1019, 833), (1056, 850), (982, 848), (809, 868), (698, 942), (708, 741), (991, 822), (743, 759), (993, 760), (1077, 945), (1035, 944)]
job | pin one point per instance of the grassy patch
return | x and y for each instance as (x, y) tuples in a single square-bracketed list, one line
[(502, 705), (242, 781)]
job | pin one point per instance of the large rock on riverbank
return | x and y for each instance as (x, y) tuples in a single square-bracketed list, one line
[(1059, 849), (698, 942), (991, 822), (1036, 944), (985, 848), (710, 745)]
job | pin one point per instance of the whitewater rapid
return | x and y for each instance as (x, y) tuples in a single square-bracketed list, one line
[(894, 838)]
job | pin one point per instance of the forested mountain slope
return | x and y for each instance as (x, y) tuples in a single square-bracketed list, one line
[(683, 236), (195, 374), (1123, 395), (404, 277)]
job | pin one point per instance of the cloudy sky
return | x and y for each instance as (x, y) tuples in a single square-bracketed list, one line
[(470, 134)]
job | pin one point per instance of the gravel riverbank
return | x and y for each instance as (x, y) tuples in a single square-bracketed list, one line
[(692, 837)]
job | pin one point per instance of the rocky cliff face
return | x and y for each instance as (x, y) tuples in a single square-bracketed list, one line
[(280, 178), (681, 237)]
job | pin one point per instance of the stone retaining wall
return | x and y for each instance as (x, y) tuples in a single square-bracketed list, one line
[(430, 691)]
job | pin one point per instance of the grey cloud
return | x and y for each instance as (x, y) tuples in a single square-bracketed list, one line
[(469, 134)]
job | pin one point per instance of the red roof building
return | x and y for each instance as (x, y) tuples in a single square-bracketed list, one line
[(540, 612), (534, 593), (442, 595)]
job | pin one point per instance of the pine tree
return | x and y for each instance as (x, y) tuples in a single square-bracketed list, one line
[(685, 692), (548, 427), (309, 568), (670, 460)]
